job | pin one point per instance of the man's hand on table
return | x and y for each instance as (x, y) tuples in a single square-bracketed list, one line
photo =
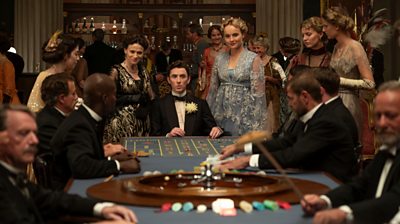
[(330, 216), (113, 149), (128, 162), (176, 132), (230, 150), (239, 163), (312, 203), (215, 132), (118, 213)]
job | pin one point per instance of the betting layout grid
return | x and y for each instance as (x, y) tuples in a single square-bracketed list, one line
[(186, 146)]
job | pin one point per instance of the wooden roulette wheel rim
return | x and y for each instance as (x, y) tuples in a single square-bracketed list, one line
[(155, 190)]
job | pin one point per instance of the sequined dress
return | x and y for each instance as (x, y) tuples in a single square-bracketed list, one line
[(35, 102), (123, 122)]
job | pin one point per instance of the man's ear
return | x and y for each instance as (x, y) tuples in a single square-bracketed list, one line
[(60, 98), (4, 137), (168, 80)]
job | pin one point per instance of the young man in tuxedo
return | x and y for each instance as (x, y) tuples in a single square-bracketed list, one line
[(374, 196), (179, 114), (25, 202)]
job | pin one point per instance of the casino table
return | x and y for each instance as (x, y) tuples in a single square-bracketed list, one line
[(186, 161)]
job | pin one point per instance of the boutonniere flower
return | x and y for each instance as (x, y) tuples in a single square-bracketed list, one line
[(190, 107)]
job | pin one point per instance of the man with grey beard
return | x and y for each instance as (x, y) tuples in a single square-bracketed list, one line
[(374, 196)]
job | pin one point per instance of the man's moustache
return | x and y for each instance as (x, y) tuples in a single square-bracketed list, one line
[(30, 150)]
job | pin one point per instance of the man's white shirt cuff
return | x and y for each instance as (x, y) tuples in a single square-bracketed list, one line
[(254, 160), (248, 148), (98, 207)]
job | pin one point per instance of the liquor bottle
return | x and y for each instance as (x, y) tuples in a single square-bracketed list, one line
[(84, 26), (103, 26), (77, 29), (114, 27), (92, 28), (175, 43), (71, 28), (124, 30)]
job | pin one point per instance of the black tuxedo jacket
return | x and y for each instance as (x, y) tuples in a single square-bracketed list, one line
[(78, 149), (359, 194), (164, 117), (48, 120), (326, 145), (99, 57), (339, 110), (161, 60), (43, 204), (281, 60)]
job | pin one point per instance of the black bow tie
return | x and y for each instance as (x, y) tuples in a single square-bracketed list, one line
[(180, 98), (388, 155)]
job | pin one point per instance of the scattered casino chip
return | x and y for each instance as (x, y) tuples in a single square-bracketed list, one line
[(156, 172), (187, 206), (271, 205), (228, 212), (147, 173), (246, 206), (166, 207), (283, 205), (201, 208), (176, 207), (258, 206)]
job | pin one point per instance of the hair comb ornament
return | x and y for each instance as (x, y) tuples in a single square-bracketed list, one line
[(53, 42)]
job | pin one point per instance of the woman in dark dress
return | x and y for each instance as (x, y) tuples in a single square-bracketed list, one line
[(134, 93)]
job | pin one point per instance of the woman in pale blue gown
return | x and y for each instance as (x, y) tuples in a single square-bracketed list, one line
[(237, 90)]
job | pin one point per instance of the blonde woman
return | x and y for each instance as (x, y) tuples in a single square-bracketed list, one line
[(237, 90), (314, 53), (349, 60)]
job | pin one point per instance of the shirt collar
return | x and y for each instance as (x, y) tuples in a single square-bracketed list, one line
[(93, 114), (390, 149), (61, 112), (306, 117), (10, 168), (177, 94), (331, 99)]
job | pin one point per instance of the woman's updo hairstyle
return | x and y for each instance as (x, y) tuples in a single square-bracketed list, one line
[(238, 23), (317, 24), (214, 27), (136, 39), (261, 40), (339, 17), (59, 45)]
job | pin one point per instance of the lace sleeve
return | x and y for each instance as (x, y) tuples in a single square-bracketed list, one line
[(257, 81), (214, 83), (362, 62)]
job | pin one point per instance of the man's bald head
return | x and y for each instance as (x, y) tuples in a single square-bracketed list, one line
[(99, 93)]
